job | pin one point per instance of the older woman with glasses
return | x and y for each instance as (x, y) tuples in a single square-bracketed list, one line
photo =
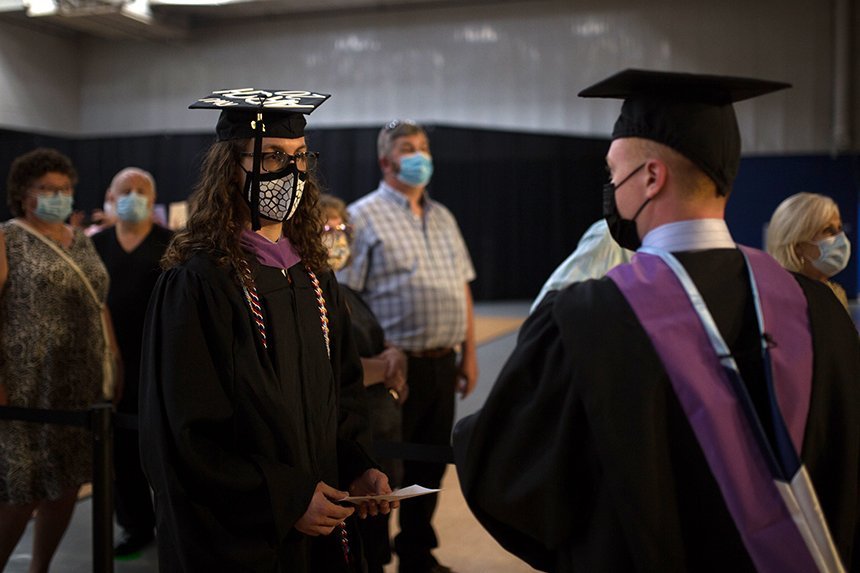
[(55, 351), (805, 235), (383, 366)]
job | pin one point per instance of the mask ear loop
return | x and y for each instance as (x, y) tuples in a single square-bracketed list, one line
[(259, 127)]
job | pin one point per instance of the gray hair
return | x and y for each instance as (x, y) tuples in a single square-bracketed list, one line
[(391, 131), (133, 171)]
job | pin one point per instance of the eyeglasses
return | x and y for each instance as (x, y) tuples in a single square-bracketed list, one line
[(274, 161), (395, 123), (342, 228), (52, 190)]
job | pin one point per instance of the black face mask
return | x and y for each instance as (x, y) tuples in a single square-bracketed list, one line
[(279, 192), (622, 230)]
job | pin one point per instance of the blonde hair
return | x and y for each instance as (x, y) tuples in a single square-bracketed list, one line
[(797, 220), (690, 179)]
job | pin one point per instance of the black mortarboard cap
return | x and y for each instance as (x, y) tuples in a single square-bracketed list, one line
[(249, 113), (691, 113), (283, 112)]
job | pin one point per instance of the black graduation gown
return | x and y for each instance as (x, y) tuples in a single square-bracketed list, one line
[(583, 460), (368, 334), (234, 438)]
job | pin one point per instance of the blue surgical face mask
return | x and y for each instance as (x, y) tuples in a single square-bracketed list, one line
[(132, 207), (415, 169), (834, 254), (54, 208)]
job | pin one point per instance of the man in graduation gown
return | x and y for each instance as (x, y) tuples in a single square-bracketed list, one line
[(620, 435), (253, 424)]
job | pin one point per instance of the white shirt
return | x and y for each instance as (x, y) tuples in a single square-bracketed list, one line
[(596, 253), (690, 235)]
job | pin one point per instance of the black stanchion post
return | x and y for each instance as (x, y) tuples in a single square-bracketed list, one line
[(102, 428)]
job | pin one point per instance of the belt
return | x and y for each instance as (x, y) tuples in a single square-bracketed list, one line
[(430, 352)]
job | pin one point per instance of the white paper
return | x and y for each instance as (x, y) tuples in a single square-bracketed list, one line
[(396, 495)]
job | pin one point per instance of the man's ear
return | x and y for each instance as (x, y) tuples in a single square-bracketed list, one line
[(658, 173), (384, 164)]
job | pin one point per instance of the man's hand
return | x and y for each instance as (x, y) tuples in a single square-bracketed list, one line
[(395, 372), (467, 373), (118, 385), (372, 482), (322, 516)]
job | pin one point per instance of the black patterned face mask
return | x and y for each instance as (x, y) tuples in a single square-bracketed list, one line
[(280, 192)]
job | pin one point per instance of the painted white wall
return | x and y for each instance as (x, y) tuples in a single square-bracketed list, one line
[(39, 81), (511, 66)]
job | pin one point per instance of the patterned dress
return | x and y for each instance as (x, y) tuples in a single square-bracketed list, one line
[(51, 351)]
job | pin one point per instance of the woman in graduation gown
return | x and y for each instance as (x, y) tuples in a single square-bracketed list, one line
[(252, 407)]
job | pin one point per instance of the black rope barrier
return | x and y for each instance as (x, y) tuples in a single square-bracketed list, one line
[(102, 427), (434, 453), (101, 420), (41, 415), (125, 421)]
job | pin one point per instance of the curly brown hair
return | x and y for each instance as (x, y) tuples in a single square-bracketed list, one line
[(219, 213), (25, 169)]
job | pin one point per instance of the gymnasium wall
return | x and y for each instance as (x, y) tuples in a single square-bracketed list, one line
[(519, 156)]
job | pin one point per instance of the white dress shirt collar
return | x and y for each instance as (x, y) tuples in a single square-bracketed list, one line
[(690, 235)]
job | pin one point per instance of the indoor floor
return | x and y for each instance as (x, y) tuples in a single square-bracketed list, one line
[(464, 545)]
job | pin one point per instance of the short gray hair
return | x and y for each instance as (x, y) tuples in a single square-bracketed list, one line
[(133, 171), (391, 131)]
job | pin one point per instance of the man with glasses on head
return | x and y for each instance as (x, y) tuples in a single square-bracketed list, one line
[(690, 411), (410, 264)]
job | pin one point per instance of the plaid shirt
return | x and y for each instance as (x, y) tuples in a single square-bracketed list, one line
[(411, 271)]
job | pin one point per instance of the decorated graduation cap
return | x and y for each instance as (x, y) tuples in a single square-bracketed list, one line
[(691, 113), (250, 113)]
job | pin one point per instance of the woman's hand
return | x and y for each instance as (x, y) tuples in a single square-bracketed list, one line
[(322, 515), (372, 482)]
